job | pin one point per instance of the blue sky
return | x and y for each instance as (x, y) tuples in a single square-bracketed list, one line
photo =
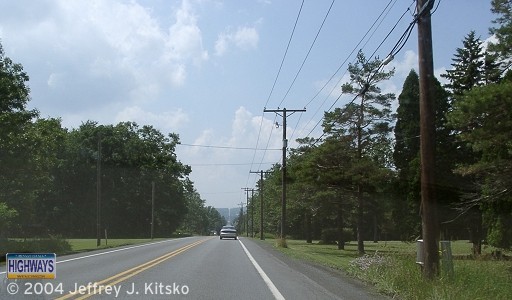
[(205, 68)]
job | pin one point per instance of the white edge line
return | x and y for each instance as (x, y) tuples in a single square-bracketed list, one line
[(112, 251), (270, 284)]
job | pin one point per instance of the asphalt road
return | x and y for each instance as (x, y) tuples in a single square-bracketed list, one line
[(188, 268)]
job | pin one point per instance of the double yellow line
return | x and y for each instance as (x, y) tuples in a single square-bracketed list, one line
[(120, 277)]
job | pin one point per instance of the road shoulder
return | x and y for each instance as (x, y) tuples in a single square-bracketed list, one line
[(335, 281)]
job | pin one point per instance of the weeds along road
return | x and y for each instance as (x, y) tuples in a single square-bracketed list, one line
[(188, 268)]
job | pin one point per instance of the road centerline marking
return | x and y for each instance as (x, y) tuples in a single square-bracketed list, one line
[(266, 279), (124, 275), (112, 251)]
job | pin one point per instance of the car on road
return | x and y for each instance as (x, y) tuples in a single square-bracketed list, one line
[(228, 232)]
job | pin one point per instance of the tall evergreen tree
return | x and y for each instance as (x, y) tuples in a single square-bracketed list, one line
[(483, 117), (365, 121), (503, 29), (468, 63), (472, 67), (406, 158)]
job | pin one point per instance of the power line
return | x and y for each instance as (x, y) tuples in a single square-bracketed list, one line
[(339, 68), (227, 164), (307, 55), (268, 143), (396, 49), (284, 113), (277, 76), (285, 53), (389, 33), (228, 147), (343, 63), (373, 27), (350, 55), (318, 139), (219, 193)]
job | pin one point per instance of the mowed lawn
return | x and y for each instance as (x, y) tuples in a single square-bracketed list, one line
[(79, 245), (391, 267)]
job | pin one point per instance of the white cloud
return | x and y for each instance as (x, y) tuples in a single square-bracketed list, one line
[(245, 38), (55, 80), (118, 47), (222, 176), (402, 67), (185, 37), (169, 121), (438, 72), (490, 40), (222, 44), (246, 128)]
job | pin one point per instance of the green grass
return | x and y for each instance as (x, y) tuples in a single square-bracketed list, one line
[(79, 245), (391, 268)]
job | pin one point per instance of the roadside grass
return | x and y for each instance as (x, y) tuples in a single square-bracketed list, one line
[(391, 268), (81, 245)]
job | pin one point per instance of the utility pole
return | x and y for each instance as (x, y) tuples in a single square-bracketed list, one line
[(247, 208), (152, 208), (430, 226), (240, 216), (284, 113), (98, 193), (252, 213), (261, 200)]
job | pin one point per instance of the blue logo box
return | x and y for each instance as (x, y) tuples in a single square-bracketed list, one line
[(31, 265)]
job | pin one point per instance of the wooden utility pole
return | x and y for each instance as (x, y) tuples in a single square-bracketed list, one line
[(284, 113), (240, 216), (152, 208), (261, 201), (252, 213), (247, 209), (429, 220), (98, 193)]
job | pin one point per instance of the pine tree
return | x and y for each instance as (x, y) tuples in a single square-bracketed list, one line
[(366, 122), (468, 63), (406, 158), (503, 31)]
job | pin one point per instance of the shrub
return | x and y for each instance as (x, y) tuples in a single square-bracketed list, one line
[(329, 236), (51, 244)]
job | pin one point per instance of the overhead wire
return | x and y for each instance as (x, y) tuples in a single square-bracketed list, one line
[(384, 12), (285, 53), (277, 77), (264, 153), (389, 33), (226, 164), (226, 147), (303, 62), (350, 54), (307, 55), (379, 17), (373, 27), (396, 49)]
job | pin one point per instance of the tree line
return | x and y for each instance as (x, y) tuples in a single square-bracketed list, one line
[(361, 180), (51, 177)]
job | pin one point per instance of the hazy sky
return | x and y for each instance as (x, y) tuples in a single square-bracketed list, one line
[(205, 69)]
